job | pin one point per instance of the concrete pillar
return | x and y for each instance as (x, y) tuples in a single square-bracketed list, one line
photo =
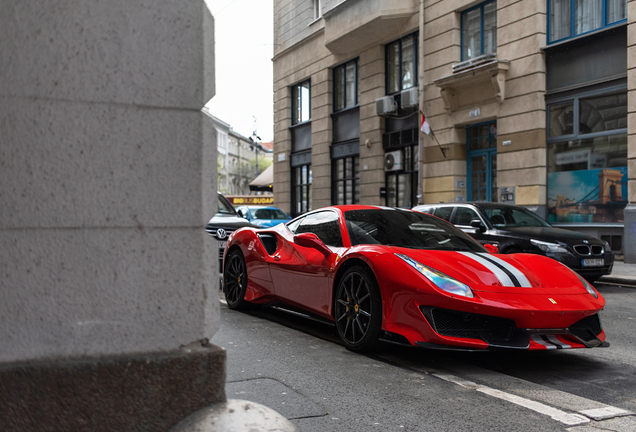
[(107, 177)]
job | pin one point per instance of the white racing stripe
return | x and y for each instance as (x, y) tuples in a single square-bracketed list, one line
[(557, 342), (499, 273), (523, 280)]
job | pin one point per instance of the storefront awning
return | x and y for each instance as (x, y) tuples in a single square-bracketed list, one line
[(263, 183)]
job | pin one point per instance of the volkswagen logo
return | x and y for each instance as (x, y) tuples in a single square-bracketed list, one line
[(221, 234)]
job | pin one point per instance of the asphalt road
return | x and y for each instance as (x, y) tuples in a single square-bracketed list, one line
[(299, 368)]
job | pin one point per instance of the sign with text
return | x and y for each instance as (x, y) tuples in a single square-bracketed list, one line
[(251, 200)]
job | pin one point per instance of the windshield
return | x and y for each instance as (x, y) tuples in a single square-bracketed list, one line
[(224, 206), (513, 217), (268, 213), (406, 229)]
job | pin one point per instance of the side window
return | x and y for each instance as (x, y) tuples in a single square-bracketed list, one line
[(325, 225), (293, 226), (464, 215), (443, 213)]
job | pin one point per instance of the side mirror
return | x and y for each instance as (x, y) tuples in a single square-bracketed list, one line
[(311, 240), (491, 248), (476, 223)]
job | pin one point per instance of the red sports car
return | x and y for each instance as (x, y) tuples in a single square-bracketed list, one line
[(382, 274)]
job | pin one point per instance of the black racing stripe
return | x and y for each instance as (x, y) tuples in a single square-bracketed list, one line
[(512, 277)]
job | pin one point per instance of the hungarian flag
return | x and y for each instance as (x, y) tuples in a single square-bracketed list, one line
[(425, 127)]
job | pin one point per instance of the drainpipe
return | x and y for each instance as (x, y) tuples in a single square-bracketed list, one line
[(420, 72)]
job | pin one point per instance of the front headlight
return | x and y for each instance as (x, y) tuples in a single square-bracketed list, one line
[(587, 285), (442, 281), (548, 247)]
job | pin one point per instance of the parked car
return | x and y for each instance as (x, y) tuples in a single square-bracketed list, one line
[(224, 223), (515, 229), (263, 216), (380, 274)]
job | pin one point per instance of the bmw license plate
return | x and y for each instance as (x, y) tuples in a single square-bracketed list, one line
[(593, 262)]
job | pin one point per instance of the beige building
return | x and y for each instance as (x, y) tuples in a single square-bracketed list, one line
[(240, 159), (527, 101)]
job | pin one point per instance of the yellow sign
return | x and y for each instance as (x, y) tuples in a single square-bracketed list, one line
[(251, 200)]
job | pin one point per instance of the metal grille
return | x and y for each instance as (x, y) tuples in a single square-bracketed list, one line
[(474, 326), (587, 328), (582, 249), (589, 250), (597, 250)]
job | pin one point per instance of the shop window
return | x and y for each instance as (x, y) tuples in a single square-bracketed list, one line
[(401, 186), (345, 184), (571, 18), (479, 30), (587, 158), (401, 64)]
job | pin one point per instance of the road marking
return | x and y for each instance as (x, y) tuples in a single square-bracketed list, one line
[(554, 413), (605, 413)]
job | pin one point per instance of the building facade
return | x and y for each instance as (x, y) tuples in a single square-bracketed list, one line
[(240, 159), (528, 102)]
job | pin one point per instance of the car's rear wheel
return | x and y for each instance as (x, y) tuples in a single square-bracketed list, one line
[(358, 310), (235, 280)]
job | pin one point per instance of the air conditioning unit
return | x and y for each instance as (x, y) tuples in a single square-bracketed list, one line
[(393, 161), (409, 98), (385, 106)]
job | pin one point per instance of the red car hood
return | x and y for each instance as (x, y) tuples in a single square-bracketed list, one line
[(517, 273)]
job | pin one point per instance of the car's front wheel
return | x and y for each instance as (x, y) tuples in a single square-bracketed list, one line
[(235, 280), (358, 310)]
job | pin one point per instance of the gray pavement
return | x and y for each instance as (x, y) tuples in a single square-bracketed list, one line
[(622, 273)]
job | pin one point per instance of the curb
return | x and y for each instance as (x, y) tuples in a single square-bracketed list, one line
[(616, 279)]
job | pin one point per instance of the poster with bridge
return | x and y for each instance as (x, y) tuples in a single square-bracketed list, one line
[(587, 196)]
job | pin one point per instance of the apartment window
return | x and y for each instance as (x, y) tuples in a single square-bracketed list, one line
[(479, 30), (587, 157), (570, 18), (401, 64), (317, 9), (345, 85), (301, 102)]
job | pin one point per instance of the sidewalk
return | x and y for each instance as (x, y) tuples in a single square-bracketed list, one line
[(621, 273)]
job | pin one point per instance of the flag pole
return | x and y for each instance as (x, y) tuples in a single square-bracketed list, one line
[(438, 144)]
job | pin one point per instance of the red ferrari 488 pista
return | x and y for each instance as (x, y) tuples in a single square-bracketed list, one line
[(382, 274)]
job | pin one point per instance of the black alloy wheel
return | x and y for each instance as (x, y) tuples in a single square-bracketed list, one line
[(235, 280), (358, 310)]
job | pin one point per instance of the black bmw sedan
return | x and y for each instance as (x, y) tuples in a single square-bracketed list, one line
[(514, 229)]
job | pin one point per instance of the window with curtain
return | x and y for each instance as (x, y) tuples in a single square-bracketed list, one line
[(571, 18), (479, 30), (401, 64), (345, 85)]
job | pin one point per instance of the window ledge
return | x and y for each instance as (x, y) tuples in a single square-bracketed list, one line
[(455, 87), (314, 21)]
